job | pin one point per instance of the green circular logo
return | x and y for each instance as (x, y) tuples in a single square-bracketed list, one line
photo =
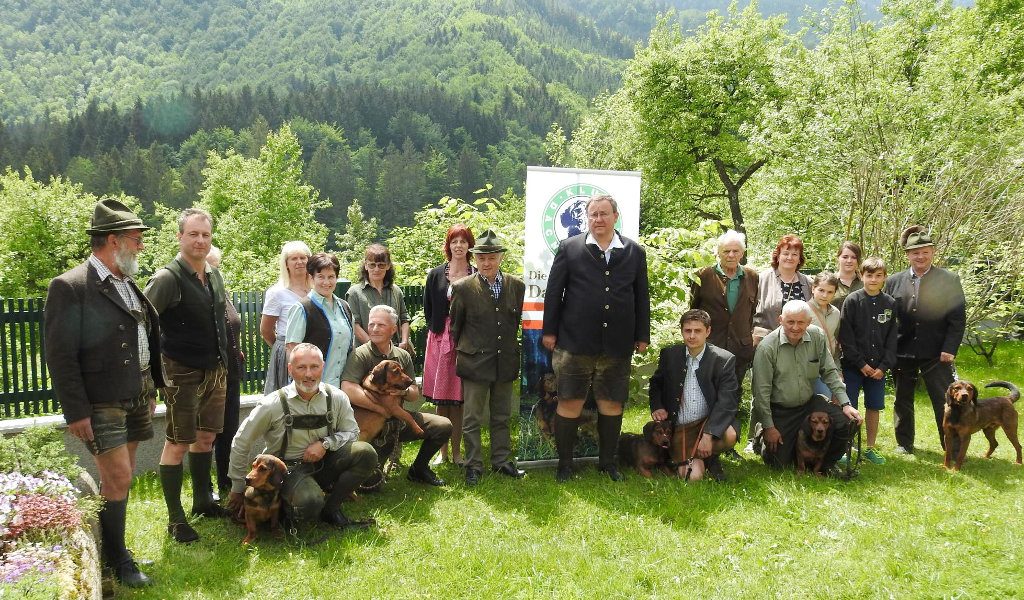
[(565, 213)]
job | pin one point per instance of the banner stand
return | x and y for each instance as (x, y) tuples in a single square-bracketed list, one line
[(555, 210)]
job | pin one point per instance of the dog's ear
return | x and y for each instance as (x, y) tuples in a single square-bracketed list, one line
[(649, 428), (973, 393), (278, 471), (951, 394), (379, 376)]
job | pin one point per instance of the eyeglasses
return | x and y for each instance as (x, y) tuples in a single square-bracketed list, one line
[(137, 240), (376, 265)]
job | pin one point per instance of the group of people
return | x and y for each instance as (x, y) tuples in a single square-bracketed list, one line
[(110, 346), (817, 344)]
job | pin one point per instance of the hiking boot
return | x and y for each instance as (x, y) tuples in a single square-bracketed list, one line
[(874, 457)]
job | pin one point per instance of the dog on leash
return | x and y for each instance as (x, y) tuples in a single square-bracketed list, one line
[(380, 383), (648, 451), (262, 499), (965, 415), (812, 442)]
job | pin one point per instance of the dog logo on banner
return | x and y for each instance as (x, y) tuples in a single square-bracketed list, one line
[(565, 213)]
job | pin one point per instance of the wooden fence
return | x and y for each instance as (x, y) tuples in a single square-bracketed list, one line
[(26, 385)]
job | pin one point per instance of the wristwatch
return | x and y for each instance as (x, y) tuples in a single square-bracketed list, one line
[(327, 444)]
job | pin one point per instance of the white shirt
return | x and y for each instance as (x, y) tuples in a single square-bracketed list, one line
[(693, 406), (615, 243)]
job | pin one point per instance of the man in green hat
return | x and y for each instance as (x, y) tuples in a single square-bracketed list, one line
[(486, 310), (931, 316), (189, 295), (103, 353)]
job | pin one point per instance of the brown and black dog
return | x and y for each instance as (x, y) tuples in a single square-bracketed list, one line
[(263, 494), (648, 451), (547, 404), (965, 415), (384, 378), (812, 442)]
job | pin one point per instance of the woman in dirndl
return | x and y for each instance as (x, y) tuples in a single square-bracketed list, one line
[(440, 383), (292, 285)]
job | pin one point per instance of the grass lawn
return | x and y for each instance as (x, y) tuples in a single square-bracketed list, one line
[(907, 529)]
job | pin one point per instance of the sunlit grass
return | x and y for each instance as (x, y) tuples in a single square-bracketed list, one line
[(907, 529)]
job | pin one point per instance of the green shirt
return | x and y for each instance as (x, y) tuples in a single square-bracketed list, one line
[(363, 296), (784, 374), (732, 285), (366, 357)]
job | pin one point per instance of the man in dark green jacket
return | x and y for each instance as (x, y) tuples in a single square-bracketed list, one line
[(486, 310)]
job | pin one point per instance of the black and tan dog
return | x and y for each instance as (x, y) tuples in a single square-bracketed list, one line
[(263, 494), (547, 404), (383, 379), (965, 415), (812, 442), (648, 451)]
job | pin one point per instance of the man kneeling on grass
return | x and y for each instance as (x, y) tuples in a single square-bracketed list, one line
[(695, 387), (310, 425), (786, 364)]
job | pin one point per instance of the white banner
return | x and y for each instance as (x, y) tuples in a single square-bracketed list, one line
[(555, 210)]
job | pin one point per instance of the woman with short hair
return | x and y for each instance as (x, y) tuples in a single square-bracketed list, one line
[(292, 285), (323, 319), (782, 282)]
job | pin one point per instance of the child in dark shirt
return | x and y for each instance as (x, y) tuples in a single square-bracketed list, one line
[(867, 335)]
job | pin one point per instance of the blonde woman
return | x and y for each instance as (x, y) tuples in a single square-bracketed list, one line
[(292, 285)]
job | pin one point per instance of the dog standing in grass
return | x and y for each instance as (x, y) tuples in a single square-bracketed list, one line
[(965, 415)]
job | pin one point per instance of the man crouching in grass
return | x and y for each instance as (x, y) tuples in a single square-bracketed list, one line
[(695, 388), (786, 364), (310, 425)]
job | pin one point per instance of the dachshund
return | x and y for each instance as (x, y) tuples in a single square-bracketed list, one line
[(648, 451), (547, 403), (964, 415), (263, 494), (812, 442), (383, 379)]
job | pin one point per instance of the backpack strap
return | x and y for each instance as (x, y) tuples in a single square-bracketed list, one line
[(287, 423)]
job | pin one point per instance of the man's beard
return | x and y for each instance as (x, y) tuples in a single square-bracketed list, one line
[(127, 261), (311, 388)]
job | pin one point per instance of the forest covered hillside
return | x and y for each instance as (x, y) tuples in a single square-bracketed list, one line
[(57, 55)]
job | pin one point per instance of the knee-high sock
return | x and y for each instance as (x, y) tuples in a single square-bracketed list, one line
[(112, 525), (566, 430), (170, 480), (199, 466), (608, 429)]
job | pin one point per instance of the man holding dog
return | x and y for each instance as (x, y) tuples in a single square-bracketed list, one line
[(597, 312), (786, 364), (103, 353), (695, 388), (381, 327), (310, 425), (189, 295), (486, 310), (931, 317)]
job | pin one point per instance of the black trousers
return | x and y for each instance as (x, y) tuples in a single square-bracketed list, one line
[(788, 421), (222, 445), (937, 376)]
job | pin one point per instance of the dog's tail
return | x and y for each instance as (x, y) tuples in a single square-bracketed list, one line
[(1014, 392)]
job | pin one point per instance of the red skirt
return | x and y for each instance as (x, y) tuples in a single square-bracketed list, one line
[(440, 383)]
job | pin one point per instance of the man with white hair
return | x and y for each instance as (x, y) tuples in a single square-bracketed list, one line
[(728, 292), (786, 364), (381, 326)]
